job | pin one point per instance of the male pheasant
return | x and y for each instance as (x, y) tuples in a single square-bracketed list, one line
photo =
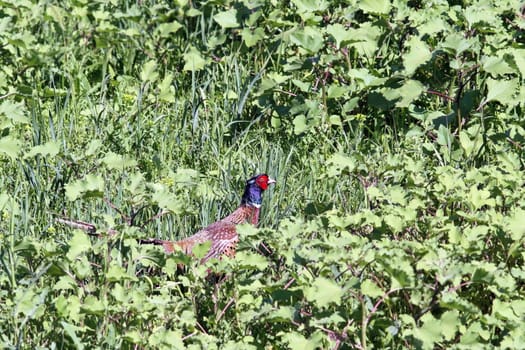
[(223, 233)]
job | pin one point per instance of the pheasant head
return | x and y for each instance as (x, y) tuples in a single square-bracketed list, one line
[(255, 186)]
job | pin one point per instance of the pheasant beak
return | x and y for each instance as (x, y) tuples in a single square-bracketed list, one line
[(271, 181)]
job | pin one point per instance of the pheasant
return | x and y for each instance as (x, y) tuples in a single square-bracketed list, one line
[(223, 233)]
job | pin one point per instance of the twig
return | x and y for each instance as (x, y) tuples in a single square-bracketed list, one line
[(378, 303), (188, 336), (225, 309)]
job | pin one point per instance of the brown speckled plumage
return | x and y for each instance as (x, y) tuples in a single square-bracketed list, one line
[(223, 233)]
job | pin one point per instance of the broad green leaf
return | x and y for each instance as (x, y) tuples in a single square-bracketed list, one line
[(502, 90), (115, 161), (395, 222), (429, 333), (371, 289), (519, 59), (375, 6), (252, 37), (497, 66), (166, 89), (309, 38), (50, 148), (91, 186), (458, 43), (10, 146), (300, 124), (117, 273), (305, 6), (340, 34), (418, 55), (479, 197), (409, 92), (297, 341), (444, 136), (193, 60), (14, 112), (78, 244), (149, 72), (516, 225), (200, 250), (450, 324), (93, 306), (166, 30), (336, 91), (367, 35), (251, 260), (227, 19), (323, 292)]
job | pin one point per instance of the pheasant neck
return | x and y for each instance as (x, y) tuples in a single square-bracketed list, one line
[(245, 213)]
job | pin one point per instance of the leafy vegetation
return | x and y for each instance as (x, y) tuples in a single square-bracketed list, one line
[(395, 130)]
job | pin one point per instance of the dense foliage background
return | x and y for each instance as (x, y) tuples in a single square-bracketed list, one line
[(395, 130)]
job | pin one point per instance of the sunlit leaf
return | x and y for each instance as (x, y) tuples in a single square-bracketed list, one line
[(115, 161), (78, 244), (91, 185), (50, 148), (375, 6), (227, 19), (10, 146), (193, 60), (323, 292), (149, 72), (418, 55), (502, 90), (16, 112)]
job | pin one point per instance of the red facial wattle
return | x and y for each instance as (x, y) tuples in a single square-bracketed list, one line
[(262, 181)]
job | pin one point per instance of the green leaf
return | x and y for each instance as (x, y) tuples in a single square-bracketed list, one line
[(444, 136), (502, 91), (148, 72), (49, 149), (300, 124), (193, 60), (166, 30), (375, 6), (227, 19), (309, 38), (10, 146), (90, 186), (340, 33), (516, 225), (409, 92), (418, 55), (115, 161), (93, 306), (430, 333), (117, 273), (337, 91), (323, 292), (166, 89), (371, 289), (251, 260), (450, 324), (78, 244), (200, 250), (252, 37), (14, 112), (497, 66)]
